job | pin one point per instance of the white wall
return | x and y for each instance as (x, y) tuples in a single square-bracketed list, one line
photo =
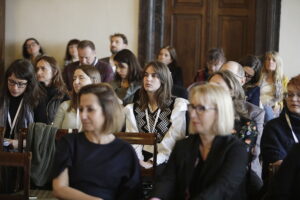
[(289, 43), (55, 22)]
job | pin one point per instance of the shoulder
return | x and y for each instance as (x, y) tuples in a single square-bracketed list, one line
[(180, 104), (71, 65), (230, 142), (106, 59), (102, 64), (253, 110), (66, 104)]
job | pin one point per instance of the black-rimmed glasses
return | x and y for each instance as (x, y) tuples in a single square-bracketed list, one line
[(19, 84)]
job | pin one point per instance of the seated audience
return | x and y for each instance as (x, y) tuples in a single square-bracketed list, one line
[(249, 118), (236, 69), (94, 164), (118, 42), (32, 49), (71, 52), (214, 61), (272, 85), (252, 68), (281, 133), (210, 163), (67, 116), (168, 56), (87, 56), (20, 95), (157, 111), (128, 76), (285, 184), (49, 75)]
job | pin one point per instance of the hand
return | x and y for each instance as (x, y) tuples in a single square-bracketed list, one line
[(146, 165), (277, 163)]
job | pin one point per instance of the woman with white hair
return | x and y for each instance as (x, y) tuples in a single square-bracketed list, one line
[(210, 163)]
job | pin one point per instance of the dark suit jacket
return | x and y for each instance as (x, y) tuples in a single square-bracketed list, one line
[(221, 176), (105, 70)]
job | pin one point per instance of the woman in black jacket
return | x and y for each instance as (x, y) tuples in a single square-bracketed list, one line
[(210, 164)]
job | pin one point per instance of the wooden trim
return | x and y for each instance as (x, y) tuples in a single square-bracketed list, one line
[(2, 39)]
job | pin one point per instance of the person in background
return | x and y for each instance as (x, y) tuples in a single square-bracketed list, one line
[(32, 49), (157, 111), (118, 42), (67, 116), (20, 95), (272, 85), (87, 56), (71, 52), (281, 133), (236, 69), (128, 77), (94, 163), (49, 75), (215, 59), (168, 56), (252, 68), (210, 163)]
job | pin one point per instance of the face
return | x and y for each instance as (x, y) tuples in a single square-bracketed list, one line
[(202, 119), (151, 81), (122, 69), (249, 73), (80, 79), (164, 56), (293, 99), (73, 50), (86, 56), (44, 72), (217, 79), (91, 113), (213, 66), (16, 87), (270, 64), (117, 44), (32, 48)]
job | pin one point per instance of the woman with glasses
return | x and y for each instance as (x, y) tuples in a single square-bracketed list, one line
[(210, 163), (272, 85), (281, 133), (252, 66), (157, 111), (67, 116), (20, 95), (49, 75), (32, 49)]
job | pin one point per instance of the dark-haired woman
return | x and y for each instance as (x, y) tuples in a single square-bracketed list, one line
[(49, 75), (20, 95), (168, 56), (71, 52), (32, 49), (157, 111), (128, 75)]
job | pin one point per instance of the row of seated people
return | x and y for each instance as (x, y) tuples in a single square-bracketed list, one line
[(164, 77)]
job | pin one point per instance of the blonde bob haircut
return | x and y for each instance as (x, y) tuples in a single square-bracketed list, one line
[(219, 98), (111, 108)]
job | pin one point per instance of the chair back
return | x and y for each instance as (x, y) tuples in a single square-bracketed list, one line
[(17, 159), (142, 139)]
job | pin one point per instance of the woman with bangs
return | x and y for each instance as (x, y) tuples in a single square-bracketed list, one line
[(157, 111), (67, 116), (210, 163), (272, 85)]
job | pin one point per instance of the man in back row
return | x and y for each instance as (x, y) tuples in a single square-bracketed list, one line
[(118, 42), (87, 56)]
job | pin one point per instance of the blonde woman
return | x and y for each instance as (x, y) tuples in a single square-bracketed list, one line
[(272, 85), (210, 163)]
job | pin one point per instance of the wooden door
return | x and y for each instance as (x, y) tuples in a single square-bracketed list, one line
[(195, 26)]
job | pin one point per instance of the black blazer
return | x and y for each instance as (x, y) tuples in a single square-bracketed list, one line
[(222, 173)]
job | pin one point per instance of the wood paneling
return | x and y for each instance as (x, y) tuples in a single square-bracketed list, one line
[(2, 38)]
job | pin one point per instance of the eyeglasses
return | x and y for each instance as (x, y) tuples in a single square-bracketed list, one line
[(31, 45), (248, 75), (199, 108), (291, 95), (19, 84)]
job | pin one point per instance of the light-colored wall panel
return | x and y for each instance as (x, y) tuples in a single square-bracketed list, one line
[(55, 22)]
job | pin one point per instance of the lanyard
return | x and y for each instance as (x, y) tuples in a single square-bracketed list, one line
[(155, 122), (12, 125), (290, 125)]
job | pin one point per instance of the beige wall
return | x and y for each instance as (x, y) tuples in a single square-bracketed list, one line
[(55, 22), (289, 43)]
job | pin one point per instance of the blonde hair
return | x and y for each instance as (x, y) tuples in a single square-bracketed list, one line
[(278, 75), (221, 99)]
